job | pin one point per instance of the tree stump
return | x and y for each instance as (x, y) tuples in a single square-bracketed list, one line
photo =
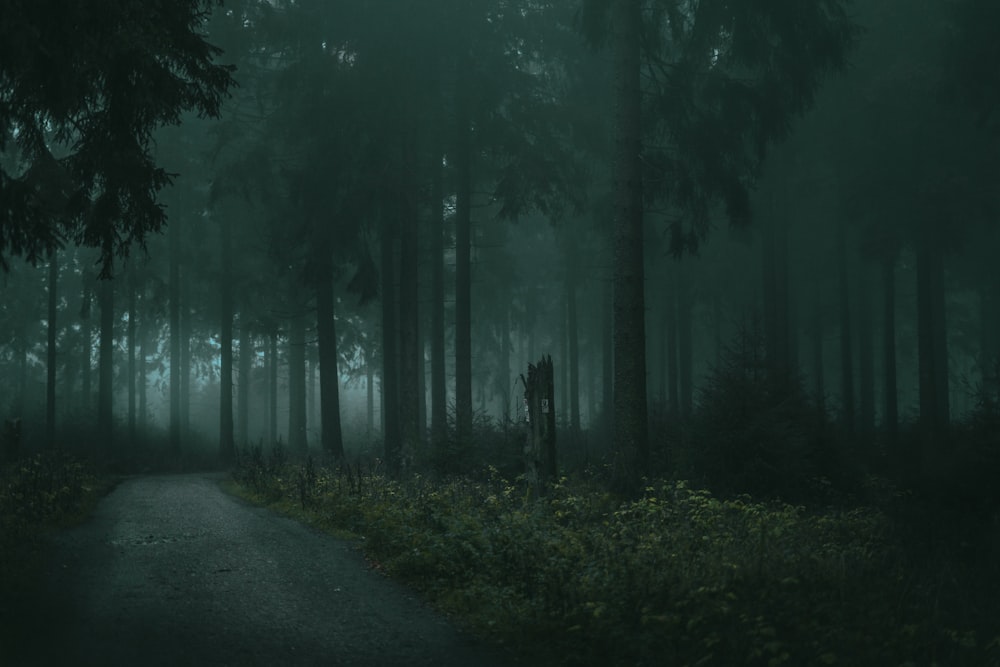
[(540, 443)]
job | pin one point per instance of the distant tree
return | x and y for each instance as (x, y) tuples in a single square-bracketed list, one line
[(105, 375), (50, 357), (724, 81)]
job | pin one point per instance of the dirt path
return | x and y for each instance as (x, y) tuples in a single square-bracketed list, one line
[(173, 571)]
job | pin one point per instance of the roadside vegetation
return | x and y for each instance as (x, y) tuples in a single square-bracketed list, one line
[(677, 576), (46, 491)]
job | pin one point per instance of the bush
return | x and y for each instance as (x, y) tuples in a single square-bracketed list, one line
[(678, 576), (755, 430), (48, 489)]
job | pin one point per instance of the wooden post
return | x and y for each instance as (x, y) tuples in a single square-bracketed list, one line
[(540, 443)]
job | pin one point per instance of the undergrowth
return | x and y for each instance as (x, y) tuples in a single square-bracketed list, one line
[(677, 577), (47, 490)]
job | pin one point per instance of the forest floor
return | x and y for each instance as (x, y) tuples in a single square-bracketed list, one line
[(678, 576), (171, 570)]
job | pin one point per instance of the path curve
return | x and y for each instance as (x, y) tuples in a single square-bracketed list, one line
[(171, 570)]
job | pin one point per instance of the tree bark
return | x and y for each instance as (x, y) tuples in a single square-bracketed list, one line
[(106, 367), (891, 418), (630, 424), (331, 436), (940, 332), (541, 468), (409, 315), (866, 357), (370, 393), (175, 342), (143, 399), (817, 335), (50, 357), (227, 445), (463, 245), (685, 347), (673, 373), (572, 325), (297, 441), (926, 375), (272, 389), (390, 349), (846, 360), (439, 396), (86, 337), (131, 344), (185, 315), (243, 388)]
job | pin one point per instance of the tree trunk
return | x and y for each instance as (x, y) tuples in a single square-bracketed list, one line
[(227, 445), (769, 288), (272, 389), (607, 358), (131, 343), (817, 333), (439, 396), (630, 425), (185, 314), (175, 342), (574, 343), (390, 349), (370, 393), (143, 399), (846, 360), (926, 375), (331, 436), (940, 332), (891, 418), (541, 469), (409, 315), (50, 357), (243, 388), (86, 337), (106, 367), (685, 348), (297, 441), (463, 245), (672, 312), (866, 357), (563, 365)]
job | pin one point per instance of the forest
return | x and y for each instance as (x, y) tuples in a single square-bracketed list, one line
[(623, 331)]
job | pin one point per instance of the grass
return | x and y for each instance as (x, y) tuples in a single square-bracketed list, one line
[(676, 577)]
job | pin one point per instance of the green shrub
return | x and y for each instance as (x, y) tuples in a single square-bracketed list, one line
[(677, 577)]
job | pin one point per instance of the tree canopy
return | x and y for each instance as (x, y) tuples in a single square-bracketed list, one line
[(83, 85)]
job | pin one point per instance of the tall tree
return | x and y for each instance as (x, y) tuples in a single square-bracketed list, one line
[(297, 436), (121, 75), (105, 375), (331, 435), (390, 346), (227, 446), (131, 345), (439, 396), (174, 428), (50, 359), (243, 388), (463, 230), (630, 435)]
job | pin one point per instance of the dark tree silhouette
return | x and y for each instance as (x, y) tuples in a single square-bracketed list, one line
[(98, 84)]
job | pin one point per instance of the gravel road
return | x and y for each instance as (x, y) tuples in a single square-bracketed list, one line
[(171, 570)]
